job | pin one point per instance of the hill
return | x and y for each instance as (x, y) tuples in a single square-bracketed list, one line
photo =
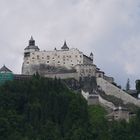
[(45, 109)]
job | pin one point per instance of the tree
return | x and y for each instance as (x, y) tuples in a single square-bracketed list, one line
[(128, 84), (138, 85)]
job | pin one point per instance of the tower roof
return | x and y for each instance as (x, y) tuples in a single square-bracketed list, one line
[(91, 54), (5, 69), (65, 47), (32, 44)]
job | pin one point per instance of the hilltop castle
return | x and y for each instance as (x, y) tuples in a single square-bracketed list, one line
[(64, 63), (68, 63)]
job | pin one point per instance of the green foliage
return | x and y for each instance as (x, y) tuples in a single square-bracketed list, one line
[(99, 124), (45, 109), (40, 109), (138, 85)]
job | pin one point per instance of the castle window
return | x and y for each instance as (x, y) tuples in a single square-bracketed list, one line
[(64, 63), (75, 55), (48, 57), (27, 54), (58, 56), (27, 62), (80, 55), (70, 56), (47, 61), (42, 57), (37, 56), (58, 61), (33, 58)]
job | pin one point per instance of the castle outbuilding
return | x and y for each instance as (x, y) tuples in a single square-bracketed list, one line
[(5, 74)]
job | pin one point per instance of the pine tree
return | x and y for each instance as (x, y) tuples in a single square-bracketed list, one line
[(128, 84)]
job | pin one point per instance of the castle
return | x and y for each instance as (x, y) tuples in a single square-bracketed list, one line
[(70, 63), (64, 63)]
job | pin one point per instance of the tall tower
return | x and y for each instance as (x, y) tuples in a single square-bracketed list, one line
[(27, 52)]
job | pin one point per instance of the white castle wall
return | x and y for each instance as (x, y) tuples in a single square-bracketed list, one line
[(85, 70), (66, 58), (110, 89), (106, 103)]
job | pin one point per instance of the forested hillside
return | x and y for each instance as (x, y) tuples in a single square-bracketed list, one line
[(45, 109)]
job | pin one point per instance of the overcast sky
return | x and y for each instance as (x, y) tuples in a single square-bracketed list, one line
[(108, 28)]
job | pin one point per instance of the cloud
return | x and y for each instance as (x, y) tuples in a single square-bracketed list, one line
[(109, 28)]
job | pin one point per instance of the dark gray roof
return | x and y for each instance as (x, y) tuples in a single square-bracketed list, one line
[(91, 54), (65, 47), (32, 47), (32, 44), (5, 69)]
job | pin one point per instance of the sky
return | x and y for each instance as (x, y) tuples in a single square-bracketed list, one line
[(108, 28)]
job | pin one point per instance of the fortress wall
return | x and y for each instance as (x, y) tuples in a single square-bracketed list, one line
[(102, 101), (110, 89), (106, 103)]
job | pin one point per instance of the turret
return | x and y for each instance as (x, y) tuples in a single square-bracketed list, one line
[(65, 47), (30, 48), (31, 42)]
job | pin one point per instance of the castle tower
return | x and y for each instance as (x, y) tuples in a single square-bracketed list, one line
[(27, 54)]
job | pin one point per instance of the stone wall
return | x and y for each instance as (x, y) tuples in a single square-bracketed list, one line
[(66, 58), (86, 70), (110, 89), (106, 103)]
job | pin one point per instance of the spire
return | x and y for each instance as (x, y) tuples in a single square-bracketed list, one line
[(65, 44), (31, 41), (31, 38), (65, 47), (91, 54), (32, 45)]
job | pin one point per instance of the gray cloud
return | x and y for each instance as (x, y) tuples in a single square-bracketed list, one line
[(109, 28)]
